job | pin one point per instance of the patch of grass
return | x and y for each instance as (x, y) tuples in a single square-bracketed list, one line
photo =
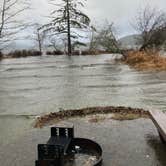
[(66, 114), (23, 53), (97, 119), (123, 117), (145, 60)]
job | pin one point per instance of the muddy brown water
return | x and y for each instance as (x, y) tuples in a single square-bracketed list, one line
[(37, 85)]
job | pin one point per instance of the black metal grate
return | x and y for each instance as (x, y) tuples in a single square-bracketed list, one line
[(61, 145)]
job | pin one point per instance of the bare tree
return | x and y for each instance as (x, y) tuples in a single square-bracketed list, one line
[(67, 19), (55, 43), (10, 25), (40, 39), (93, 42), (38, 36), (151, 25), (106, 38)]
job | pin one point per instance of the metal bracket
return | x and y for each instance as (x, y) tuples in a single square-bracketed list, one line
[(63, 144)]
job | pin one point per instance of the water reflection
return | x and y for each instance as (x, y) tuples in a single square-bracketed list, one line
[(158, 147)]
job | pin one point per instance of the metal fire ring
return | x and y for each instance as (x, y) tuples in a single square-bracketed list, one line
[(90, 145), (62, 145)]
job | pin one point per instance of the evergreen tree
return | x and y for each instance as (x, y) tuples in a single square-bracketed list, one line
[(68, 19)]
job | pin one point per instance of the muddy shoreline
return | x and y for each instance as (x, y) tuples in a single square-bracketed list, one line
[(121, 113)]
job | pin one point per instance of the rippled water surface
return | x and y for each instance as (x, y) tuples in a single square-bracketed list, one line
[(38, 85)]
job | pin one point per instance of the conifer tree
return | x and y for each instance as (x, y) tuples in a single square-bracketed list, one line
[(68, 19)]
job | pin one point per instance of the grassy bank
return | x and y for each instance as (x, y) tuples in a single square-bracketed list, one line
[(142, 60), (122, 113)]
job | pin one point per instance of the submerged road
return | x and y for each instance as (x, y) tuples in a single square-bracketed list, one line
[(37, 85)]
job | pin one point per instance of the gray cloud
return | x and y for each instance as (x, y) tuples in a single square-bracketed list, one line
[(121, 12)]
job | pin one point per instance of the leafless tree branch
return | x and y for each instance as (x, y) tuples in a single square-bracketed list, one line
[(10, 25)]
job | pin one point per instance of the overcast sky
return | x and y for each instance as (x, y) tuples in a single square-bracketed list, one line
[(121, 12)]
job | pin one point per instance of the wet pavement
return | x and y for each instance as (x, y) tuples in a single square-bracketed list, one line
[(127, 143)]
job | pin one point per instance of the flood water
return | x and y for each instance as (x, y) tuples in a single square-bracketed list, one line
[(37, 85)]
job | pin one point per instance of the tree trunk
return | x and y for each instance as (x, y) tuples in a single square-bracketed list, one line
[(144, 47), (3, 17), (39, 42), (68, 30)]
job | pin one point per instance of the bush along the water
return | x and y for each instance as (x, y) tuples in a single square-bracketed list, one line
[(145, 60), (23, 53), (1, 55), (57, 52)]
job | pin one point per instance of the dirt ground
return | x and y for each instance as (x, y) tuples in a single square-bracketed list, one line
[(124, 143)]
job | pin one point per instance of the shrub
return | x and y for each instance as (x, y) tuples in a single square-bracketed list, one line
[(88, 52), (76, 53), (57, 52), (23, 53), (1, 55), (145, 60)]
